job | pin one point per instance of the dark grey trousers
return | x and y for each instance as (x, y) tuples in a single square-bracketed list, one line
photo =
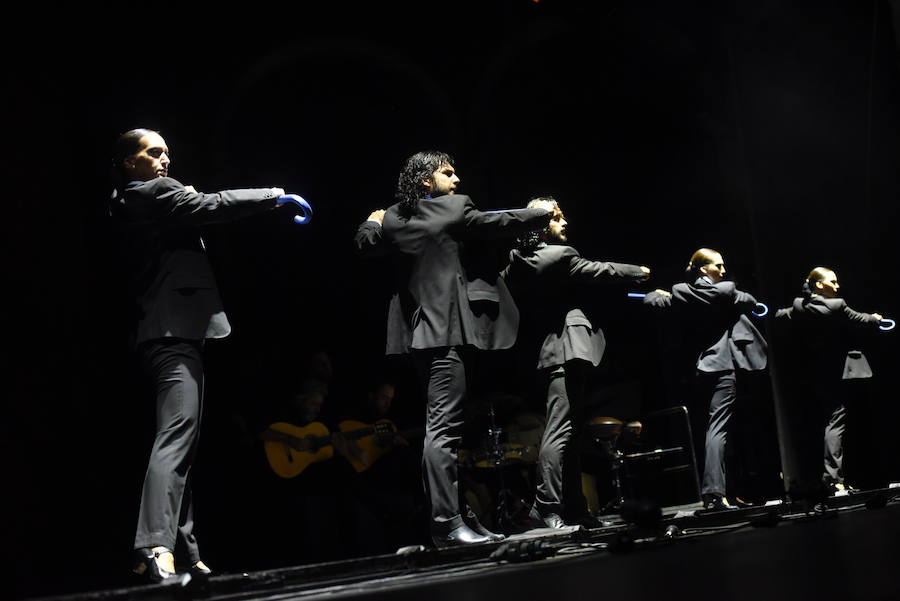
[(834, 446), (443, 373), (175, 368), (721, 388), (559, 463)]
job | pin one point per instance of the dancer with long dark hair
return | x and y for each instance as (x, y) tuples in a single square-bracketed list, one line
[(553, 285), (441, 314)]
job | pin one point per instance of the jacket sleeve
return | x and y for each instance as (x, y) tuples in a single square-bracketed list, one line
[(744, 301), (582, 269), (856, 317), (657, 301), (503, 224), (784, 314), (369, 239), (166, 200)]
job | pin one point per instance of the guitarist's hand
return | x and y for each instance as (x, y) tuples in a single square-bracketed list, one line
[(399, 441), (344, 447)]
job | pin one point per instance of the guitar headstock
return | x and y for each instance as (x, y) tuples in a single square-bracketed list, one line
[(383, 429)]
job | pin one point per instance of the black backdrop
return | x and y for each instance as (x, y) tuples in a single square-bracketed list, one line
[(767, 131)]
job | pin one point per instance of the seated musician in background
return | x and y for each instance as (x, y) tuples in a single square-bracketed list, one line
[(375, 408), (309, 493), (388, 507), (824, 369), (552, 285)]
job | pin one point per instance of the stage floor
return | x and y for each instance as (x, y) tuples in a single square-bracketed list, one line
[(848, 549)]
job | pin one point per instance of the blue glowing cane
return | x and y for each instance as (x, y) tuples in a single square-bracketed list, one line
[(305, 210), (762, 308), (508, 211), (887, 325)]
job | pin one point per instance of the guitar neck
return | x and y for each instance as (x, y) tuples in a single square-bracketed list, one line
[(358, 433)]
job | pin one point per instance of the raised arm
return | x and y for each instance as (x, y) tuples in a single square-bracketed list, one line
[(369, 240)]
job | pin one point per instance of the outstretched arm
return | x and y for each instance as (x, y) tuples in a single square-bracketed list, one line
[(585, 269), (504, 224), (859, 317), (744, 300), (658, 299), (166, 200)]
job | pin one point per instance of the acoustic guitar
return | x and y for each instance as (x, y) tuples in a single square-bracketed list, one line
[(291, 449)]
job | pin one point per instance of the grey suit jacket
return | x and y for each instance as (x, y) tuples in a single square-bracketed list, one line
[(171, 276), (553, 286), (819, 328), (437, 301), (717, 330)]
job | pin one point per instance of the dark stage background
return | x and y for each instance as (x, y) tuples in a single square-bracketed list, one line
[(765, 129)]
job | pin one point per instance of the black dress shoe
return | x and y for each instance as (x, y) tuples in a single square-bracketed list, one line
[(471, 520), (200, 572), (146, 565), (590, 522), (495, 537), (552, 520), (717, 503), (462, 535), (546, 520)]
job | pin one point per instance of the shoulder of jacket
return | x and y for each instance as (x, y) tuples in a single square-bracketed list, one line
[(461, 199), (154, 186), (726, 287), (557, 250)]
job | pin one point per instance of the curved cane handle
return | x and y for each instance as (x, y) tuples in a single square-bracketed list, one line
[(887, 325), (761, 310), (305, 210)]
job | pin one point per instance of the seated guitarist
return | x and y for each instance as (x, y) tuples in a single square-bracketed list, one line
[(310, 490), (390, 503), (375, 408)]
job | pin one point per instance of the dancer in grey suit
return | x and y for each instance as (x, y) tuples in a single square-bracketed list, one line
[(821, 327), (553, 285), (441, 313), (177, 307), (721, 340)]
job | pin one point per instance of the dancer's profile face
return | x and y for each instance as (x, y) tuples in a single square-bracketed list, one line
[(443, 181), (151, 161), (828, 287), (556, 230), (715, 269)]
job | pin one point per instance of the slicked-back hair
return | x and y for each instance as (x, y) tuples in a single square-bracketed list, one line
[(527, 243), (818, 274), (417, 168), (127, 145), (700, 258)]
